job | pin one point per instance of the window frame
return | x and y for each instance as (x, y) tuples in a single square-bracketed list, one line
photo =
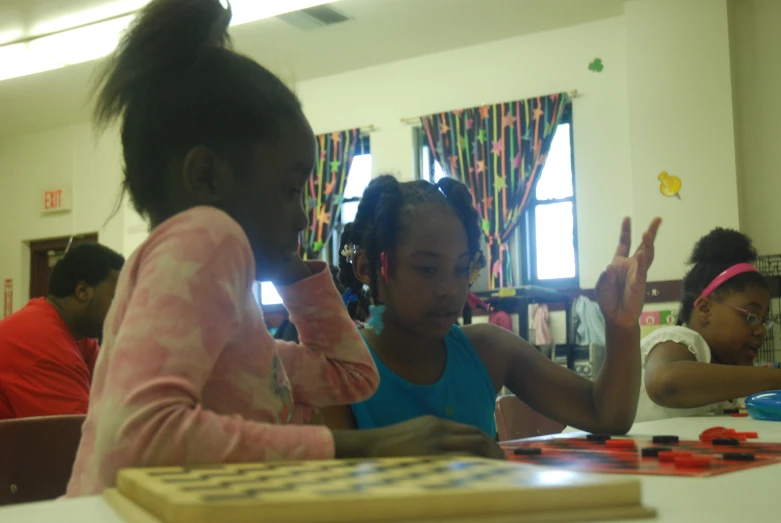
[(525, 234), (331, 255), (528, 245)]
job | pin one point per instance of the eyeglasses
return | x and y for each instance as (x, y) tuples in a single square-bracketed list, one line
[(751, 318)]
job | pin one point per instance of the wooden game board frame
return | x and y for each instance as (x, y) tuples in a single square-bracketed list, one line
[(132, 513), (153, 495)]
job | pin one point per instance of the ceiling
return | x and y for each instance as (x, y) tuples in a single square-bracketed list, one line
[(380, 31)]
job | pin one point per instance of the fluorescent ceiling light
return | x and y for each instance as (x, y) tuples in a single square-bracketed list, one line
[(17, 60), (97, 40), (245, 11), (83, 44), (102, 12), (10, 36)]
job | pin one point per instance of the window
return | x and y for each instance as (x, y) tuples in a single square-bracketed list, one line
[(544, 243), (429, 170), (266, 294), (549, 224), (357, 179)]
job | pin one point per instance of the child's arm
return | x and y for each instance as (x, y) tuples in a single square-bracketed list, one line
[(192, 286), (608, 404), (674, 379), (331, 365)]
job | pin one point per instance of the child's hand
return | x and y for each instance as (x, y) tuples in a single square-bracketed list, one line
[(424, 436), (294, 270), (621, 288)]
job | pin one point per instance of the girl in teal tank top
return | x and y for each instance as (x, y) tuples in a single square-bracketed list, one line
[(464, 393), (416, 247)]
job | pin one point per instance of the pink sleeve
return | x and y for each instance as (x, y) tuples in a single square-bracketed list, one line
[(332, 365), (185, 309)]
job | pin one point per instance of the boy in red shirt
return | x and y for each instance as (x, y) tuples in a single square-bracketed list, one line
[(48, 348)]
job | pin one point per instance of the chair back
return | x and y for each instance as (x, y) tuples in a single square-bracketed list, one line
[(36, 457), (516, 420)]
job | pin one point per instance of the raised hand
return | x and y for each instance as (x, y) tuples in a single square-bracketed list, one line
[(621, 288)]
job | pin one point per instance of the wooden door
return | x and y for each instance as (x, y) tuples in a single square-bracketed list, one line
[(44, 254)]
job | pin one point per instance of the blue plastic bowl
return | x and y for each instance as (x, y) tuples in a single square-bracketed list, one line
[(765, 406)]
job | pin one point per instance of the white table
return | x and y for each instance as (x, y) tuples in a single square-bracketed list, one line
[(741, 497)]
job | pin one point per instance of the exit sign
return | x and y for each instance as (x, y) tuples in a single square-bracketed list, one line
[(57, 200)]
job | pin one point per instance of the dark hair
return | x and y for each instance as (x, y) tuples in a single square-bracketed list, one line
[(90, 263), (175, 85), (378, 223), (714, 253)]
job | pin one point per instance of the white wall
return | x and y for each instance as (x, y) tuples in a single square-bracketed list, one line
[(31, 163), (756, 44), (680, 111)]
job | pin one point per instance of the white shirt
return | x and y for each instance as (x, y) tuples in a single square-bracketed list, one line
[(647, 410)]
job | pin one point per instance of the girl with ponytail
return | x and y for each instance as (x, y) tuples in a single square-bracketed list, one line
[(217, 153), (416, 246), (700, 366)]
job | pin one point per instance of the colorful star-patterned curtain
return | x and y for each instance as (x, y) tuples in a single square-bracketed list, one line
[(325, 191), (498, 151)]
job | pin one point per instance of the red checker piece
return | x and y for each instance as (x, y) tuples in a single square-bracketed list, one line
[(620, 444), (739, 415), (692, 462), (748, 435), (673, 455), (721, 432)]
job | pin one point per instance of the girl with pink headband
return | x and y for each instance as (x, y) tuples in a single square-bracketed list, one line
[(705, 364)]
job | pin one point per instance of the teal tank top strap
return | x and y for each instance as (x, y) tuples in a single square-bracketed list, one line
[(464, 393)]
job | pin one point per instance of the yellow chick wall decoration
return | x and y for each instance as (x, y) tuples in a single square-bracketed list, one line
[(670, 186)]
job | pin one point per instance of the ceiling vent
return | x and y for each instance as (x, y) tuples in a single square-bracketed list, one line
[(314, 17)]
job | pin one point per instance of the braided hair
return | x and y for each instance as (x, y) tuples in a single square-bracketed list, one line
[(714, 253), (379, 227)]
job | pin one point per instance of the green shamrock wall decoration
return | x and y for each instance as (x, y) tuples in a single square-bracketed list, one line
[(596, 65)]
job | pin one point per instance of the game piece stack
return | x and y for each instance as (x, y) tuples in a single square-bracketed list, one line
[(736, 413), (345, 491)]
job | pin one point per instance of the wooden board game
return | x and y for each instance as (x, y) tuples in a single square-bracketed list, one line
[(399, 489), (581, 455)]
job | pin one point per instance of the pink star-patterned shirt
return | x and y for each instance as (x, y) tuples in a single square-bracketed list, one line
[(188, 372)]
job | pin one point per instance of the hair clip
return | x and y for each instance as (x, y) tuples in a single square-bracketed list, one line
[(384, 266), (475, 267), (348, 252), (349, 297)]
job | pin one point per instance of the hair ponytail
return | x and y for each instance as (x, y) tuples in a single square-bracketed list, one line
[(359, 309), (166, 37), (174, 84), (346, 273)]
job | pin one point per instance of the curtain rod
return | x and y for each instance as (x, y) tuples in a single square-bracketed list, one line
[(367, 129), (415, 120)]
